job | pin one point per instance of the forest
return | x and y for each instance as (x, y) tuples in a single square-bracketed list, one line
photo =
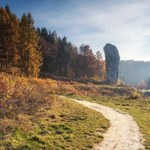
[(32, 52)]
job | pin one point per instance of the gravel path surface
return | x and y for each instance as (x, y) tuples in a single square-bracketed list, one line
[(123, 133)]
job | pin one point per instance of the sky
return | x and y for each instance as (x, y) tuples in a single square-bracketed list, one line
[(123, 23)]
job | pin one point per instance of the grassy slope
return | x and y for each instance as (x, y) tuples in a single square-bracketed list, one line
[(32, 117), (138, 108), (122, 97)]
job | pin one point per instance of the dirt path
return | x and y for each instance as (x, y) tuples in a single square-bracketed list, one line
[(124, 132)]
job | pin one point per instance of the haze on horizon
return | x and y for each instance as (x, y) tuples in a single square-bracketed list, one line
[(125, 24)]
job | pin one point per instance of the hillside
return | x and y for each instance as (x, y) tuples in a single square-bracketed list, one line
[(134, 104), (33, 117), (132, 72)]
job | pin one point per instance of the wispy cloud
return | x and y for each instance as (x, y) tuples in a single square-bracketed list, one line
[(96, 22), (124, 23)]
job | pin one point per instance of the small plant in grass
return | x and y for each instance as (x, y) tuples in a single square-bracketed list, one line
[(135, 94)]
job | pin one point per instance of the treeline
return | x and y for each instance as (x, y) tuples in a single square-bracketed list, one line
[(28, 51), (19, 44), (61, 57)]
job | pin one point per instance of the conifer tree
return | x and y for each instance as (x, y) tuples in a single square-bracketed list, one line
[(30, 56), (15, 41), (4, 38), (9, 28)]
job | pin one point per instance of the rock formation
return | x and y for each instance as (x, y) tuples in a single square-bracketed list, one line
[(112, 63)]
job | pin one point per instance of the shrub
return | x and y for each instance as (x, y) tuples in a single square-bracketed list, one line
[(134, 94)]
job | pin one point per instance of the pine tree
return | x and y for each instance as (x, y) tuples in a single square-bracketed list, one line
[(9, 28), (15, 41), (4, 38), (29, 51), (13, 38)]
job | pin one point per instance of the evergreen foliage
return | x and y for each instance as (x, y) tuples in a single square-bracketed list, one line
[(19, 44), (28, 51), (30, 55)]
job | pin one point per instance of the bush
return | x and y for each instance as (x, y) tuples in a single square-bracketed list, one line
[(135, 94), (23, 95)]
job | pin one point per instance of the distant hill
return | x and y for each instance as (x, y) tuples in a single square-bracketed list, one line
[(132, 72)]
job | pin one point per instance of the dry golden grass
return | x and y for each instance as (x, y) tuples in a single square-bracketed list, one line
[(32, 116)]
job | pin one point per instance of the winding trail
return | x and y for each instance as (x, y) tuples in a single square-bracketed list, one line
[(123, 133)]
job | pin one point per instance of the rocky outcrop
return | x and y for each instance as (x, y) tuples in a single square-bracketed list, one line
[(112, 59)]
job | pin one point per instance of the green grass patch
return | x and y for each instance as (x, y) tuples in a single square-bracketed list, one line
[(139, 108), (64, 125)]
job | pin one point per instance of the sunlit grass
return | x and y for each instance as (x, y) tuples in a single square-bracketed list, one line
[(139, 108), (33, 117)]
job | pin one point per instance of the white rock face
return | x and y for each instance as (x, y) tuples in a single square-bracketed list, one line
[(112, 63)]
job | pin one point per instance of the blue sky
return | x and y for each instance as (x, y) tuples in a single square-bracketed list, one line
[(125, 24)]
